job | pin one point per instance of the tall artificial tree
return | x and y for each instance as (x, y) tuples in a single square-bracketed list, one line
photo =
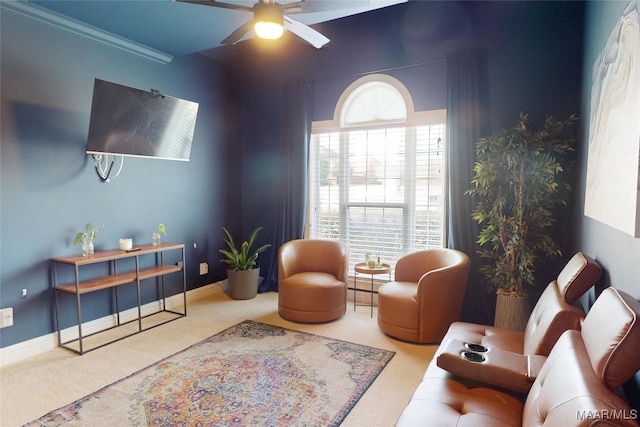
[(520, 179)]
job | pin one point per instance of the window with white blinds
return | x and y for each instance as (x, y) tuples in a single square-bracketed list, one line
[(379, 187)]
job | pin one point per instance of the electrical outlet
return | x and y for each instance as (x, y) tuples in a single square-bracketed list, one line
[(204, 268), (6, 317)]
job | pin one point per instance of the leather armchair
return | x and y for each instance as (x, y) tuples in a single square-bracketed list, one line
[(426, 295), (312, 280)]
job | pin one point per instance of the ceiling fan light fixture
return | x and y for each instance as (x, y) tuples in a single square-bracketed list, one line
[(269, 20)]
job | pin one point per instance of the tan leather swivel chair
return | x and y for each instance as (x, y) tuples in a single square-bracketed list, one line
[(426, 296), (312, 277)]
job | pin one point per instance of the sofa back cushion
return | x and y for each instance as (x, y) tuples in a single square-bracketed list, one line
[(553, 313), (611, 333), (580, 273), (548, 320)]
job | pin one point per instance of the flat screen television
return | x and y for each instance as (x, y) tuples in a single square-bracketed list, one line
[(126, 121)]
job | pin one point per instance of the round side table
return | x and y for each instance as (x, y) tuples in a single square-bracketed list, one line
[(363, 268)]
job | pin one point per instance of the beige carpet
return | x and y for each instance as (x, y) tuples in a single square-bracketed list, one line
[(31, 388)]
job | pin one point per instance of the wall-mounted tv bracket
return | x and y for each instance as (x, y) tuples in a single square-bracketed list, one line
[(155, 93), (104, 167), (101, 162)]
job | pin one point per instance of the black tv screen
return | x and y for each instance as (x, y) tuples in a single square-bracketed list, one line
[(132, 122)]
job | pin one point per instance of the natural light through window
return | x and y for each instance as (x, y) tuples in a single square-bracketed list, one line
[(377, 173)]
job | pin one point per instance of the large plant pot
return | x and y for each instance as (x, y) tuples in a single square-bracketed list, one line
[(243, 284), (512, 312)]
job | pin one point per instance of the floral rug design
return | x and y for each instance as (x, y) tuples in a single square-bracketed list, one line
[(251, 374)]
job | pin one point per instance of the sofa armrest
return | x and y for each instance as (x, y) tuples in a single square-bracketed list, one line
[(493, 366)]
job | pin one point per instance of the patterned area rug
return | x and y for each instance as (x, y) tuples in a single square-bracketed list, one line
[(251, 374)]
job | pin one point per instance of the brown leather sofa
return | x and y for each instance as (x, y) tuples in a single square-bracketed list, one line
[(576, 386), (426, 295), (312, 280), (518, 356)]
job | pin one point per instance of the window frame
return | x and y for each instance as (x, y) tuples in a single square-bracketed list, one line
[(413, 119)]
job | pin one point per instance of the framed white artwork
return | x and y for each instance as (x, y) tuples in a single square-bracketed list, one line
[(613, 166)]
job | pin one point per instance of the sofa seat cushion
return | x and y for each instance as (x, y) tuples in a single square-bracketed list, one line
[(439, 402)]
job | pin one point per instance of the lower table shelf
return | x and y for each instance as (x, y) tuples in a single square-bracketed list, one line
[(125, 329)]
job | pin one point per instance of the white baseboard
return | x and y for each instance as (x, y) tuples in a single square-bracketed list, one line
[(38, 345)]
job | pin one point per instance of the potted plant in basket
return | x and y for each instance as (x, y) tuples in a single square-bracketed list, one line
[(519, 182), (242, 274)]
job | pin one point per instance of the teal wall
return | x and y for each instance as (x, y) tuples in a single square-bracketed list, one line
[(50, 189)]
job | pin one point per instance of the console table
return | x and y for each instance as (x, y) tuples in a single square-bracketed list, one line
[(114, 280)]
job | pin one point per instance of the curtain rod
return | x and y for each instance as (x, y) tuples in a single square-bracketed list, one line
[(364, 73)]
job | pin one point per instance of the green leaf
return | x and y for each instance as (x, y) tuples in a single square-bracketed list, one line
[(244, 258), (521, 178)]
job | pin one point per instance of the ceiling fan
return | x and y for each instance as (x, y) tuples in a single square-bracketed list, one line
[(270, 19)]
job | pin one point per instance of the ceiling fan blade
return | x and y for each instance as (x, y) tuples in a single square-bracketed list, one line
[(216, 3), (305, 32), (315, 6), (239, 34)]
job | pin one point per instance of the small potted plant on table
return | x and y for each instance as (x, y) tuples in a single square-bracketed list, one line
[(156, 235), (85, 238), (242, 274)]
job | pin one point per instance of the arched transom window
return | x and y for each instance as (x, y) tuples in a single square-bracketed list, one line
[(373, 102)]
